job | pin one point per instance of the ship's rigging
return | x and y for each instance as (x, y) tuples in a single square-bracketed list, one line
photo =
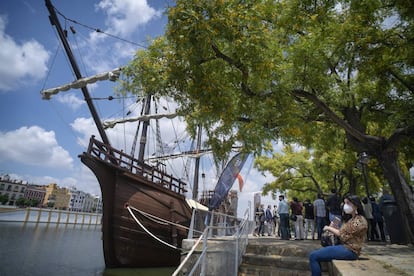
[(128, 181), (160, 153)]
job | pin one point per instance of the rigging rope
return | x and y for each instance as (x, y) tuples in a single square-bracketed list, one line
[(98, 30), (160, 219), (156, 220), (148, 232)]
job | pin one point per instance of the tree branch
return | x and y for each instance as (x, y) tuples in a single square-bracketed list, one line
[(398, 134), (401, 80), (333, 116), (238, 65)]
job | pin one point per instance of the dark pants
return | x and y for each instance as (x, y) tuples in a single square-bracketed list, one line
[(284, 226), (261, 228), (320, 223), (381, 228)]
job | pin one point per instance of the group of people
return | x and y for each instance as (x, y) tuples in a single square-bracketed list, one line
[(353, 221), (309, 217)]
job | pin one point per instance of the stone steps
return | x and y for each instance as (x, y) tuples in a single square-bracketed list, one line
[(269, 256)]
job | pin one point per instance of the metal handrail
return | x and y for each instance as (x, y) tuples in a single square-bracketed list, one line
[(240, 238)]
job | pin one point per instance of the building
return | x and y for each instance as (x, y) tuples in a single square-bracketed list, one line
[(56, 197), (88, 204), (11, 190), (81, 201), (51, 196), (97, 205), (35, 193), (84, 202)]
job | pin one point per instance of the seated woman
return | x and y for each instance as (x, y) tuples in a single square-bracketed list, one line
[(352, 235)]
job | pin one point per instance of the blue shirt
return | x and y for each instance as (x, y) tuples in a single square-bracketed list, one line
[(319, 205), (283, 207)]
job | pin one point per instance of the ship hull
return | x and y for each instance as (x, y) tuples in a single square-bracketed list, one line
[(125, 242)]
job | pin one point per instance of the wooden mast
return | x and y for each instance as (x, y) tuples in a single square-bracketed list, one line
[(55, 22), (197, 165)]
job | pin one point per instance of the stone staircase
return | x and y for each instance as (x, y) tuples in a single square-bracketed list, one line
[(270, 256)]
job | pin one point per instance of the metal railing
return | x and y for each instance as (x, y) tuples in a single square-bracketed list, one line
[(226, 236)]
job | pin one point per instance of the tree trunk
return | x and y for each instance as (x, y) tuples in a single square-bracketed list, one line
[(388, 159)]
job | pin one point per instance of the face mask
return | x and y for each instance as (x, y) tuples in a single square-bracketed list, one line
[(348, 209)]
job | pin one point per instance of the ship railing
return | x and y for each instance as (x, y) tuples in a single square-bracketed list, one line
[(130, 164), (224, 252)]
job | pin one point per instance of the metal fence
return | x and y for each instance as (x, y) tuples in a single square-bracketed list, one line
[(218, 248)]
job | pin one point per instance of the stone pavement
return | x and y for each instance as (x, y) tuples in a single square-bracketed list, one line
[(377, 258), (398, 258)]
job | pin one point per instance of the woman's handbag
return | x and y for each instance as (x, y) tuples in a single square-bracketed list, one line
[(328, 239), (293, 217)]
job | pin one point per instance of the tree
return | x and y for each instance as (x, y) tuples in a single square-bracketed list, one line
[(4, 199), (290, 70), (34, 203), (21, 202)]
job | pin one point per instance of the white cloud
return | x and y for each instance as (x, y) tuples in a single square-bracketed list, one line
[(33, 146), (71, 100), (123, 19), (20, 63), (124, 16), (86, 127)]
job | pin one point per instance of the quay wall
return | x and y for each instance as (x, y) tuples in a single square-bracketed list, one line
[(44, 215)]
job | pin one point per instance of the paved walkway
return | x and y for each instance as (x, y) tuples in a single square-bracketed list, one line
[(399, 257), (396, 258)]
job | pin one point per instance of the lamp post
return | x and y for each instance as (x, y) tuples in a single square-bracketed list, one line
[(362, 162)]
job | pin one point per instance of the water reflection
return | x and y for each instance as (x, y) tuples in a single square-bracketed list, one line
[(57, 249)]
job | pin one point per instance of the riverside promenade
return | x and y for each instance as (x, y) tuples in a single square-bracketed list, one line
[(272, 256)]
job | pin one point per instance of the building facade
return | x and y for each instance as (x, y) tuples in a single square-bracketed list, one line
[(35, 193), (80, 201), (57, 197), (11, 190), (18, 193)]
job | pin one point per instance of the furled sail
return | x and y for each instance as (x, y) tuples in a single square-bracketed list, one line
[(111, 124), (82, 82)]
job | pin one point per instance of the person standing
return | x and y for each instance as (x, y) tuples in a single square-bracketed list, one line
[(377, 220), (283, 211), (257, 220), (319, 212), (269, 220), (333, 203), (297, 210), (366, 204), (352, 235), (276, 222), (309, 219), (262, 218)]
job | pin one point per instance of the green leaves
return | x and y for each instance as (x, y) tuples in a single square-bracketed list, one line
[(234, 67)]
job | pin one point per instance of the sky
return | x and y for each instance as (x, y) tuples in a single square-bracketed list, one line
[(40, 140)]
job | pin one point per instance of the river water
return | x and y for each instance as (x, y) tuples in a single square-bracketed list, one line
[(57, 249)]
